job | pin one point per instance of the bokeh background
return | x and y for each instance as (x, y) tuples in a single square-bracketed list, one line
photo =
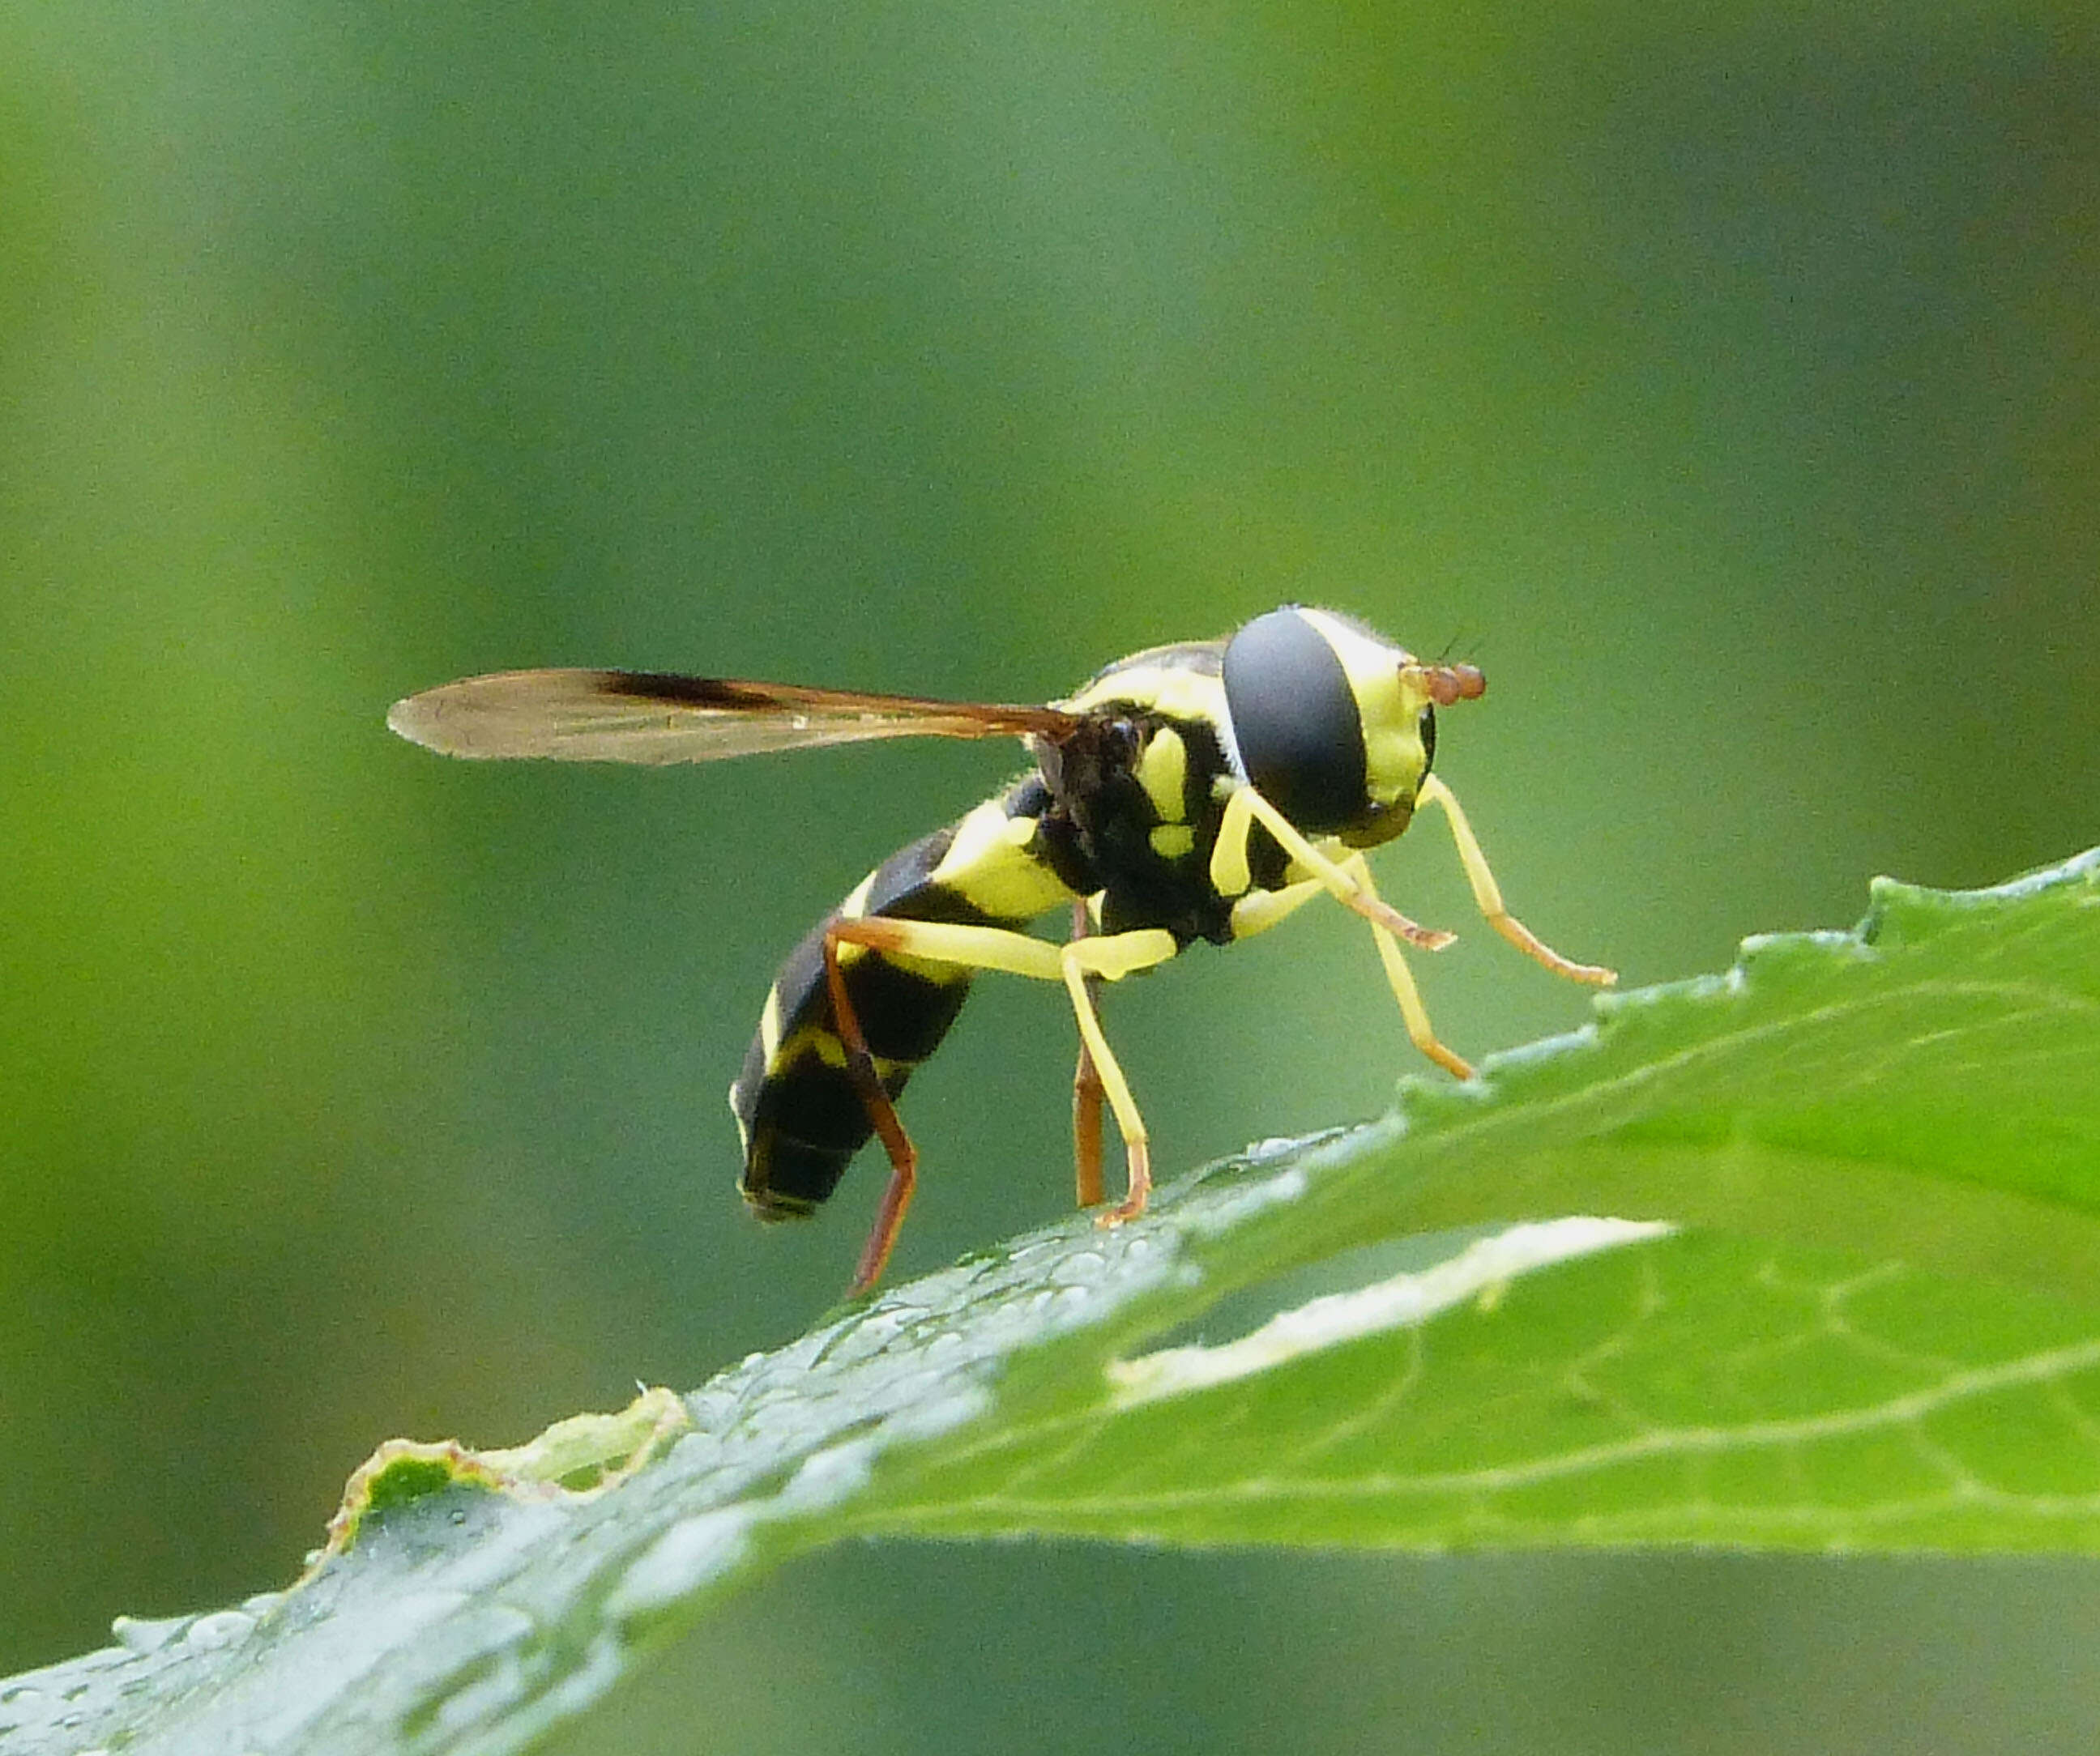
[(1723, 380)]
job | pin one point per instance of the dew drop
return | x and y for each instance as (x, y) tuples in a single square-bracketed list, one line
[(1081, 1268), (225, 1627), (141, 1635)]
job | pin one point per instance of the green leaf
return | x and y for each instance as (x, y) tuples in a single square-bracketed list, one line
[(1802, 1256)]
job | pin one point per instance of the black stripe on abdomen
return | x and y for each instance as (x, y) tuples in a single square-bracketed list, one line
[(800, 1114)]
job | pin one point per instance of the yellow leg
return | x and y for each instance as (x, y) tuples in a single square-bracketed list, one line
[(971, 947), (1230, 874), (1114, 957), (1489, 895), (1109, 958), (1259, 910), (1402, 980)]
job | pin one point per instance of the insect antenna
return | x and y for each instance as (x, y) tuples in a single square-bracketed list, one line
[(1445, 682)]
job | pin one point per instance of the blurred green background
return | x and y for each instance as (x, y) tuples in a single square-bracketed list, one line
[(1726, 386)]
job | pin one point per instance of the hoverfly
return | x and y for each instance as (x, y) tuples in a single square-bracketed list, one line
[(1198, 791)]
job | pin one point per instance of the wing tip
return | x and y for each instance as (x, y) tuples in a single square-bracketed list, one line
[(441, 720), (409, 718), (505, 713)]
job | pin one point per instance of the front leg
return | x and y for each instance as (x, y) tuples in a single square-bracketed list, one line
[(1232, 876), (1489, 896)]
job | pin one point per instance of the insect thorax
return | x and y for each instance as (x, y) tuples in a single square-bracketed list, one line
[(1135, 799)]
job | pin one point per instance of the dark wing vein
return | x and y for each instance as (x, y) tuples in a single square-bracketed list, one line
[(657, 717)]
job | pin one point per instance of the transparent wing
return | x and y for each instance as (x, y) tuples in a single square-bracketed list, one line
[(656, 717)]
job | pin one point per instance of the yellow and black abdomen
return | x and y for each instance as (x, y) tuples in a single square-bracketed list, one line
[(801, 1116)]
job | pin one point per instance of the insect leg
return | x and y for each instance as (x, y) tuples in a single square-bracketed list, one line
[(1402, 980), (1229, 871), (1114, 956), (867, 1082), (1259, 910), (1110, 957), (1487, 894), (1086, 1096)]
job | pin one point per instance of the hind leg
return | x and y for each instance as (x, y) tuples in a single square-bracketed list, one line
[(1076, 964)]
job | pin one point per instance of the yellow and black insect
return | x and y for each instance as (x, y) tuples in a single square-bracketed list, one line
[(1200, 791)]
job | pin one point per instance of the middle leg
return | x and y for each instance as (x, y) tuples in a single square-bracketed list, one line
[(1085, 961)]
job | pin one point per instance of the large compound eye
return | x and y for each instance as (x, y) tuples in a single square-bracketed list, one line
[(1295, 721)]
